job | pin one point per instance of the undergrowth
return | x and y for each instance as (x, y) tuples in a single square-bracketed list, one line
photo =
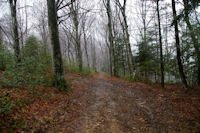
[(31, 71), (34, 71), (74, 69)]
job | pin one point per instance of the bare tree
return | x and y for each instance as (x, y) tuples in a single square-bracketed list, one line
[(1, 36), (122, 8), (178, 51), (74, 12), (13, 4), (85, 40), (59, 79), (111, 39), (160, 42), (40, 13)]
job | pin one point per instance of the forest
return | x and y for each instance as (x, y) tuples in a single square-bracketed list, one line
[(99, 66)]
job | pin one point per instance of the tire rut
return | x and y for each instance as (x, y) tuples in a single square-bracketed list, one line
[(110, 111), (100, 115)]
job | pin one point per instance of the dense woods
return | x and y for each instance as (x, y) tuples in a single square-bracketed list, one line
[(148, 41), (104, 38)]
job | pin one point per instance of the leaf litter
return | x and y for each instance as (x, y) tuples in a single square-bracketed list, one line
[(101, 104)]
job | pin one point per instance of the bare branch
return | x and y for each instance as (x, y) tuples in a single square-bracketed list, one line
[(59, 7)]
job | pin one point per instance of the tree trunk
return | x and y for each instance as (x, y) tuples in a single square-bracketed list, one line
[(126, 35), (15, 28), (78, 42), (93, 53), (111, 63), (85, 45), (111, 38), (26, 13), (80, 62), (125, 51), (192, 34), (109, 54), (161, 53), (44, 34), (180, 65), (1, 37), (129, 52), (59, 79), (127, 40)]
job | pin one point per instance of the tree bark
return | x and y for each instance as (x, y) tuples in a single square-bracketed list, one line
[(127, 40), (180, 65), (109, 53), (78, 42), (126, 35), (93, 53), (108, 8), (85, 45), (1, 37), (59, 79), (160, 42), (15, 28), (194, 39)]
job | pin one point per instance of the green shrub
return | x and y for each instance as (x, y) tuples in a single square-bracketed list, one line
[(86, 71), (75, 69), (32, 70), (5, 104), (72, 68), (5, 58)]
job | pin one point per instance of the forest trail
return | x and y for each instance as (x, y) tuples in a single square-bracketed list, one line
[(103, 104), (113, 109), (100, 116), (118, 106)]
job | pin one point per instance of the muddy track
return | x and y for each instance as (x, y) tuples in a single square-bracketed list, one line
[(110, 111), (117, 106), (102, 104)]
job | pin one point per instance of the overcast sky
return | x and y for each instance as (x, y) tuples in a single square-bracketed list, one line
[(132, 15)]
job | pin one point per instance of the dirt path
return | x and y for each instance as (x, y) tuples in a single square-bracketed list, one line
[(121, 107), (110, 111), (102, 104), (100, 116)]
